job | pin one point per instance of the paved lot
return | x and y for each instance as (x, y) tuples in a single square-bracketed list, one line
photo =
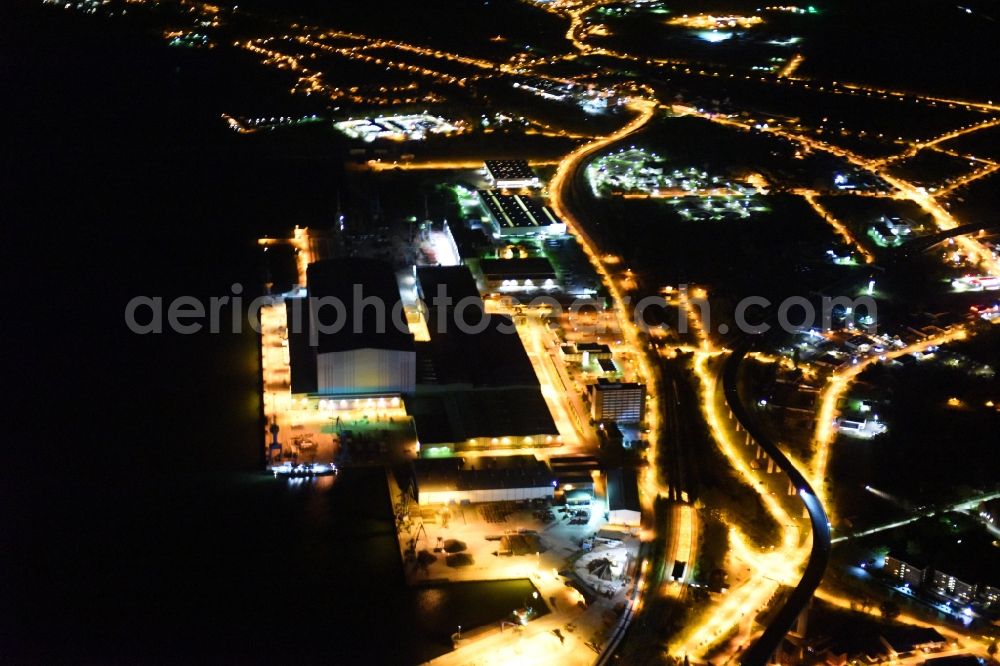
[(573, 631), (481, 527), (571, 624)]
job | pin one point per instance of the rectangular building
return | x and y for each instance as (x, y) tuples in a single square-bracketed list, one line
[(482, 420), (445, 290), (591, 352), (950, 587), (623, 497), (350, 337), (518, 274), (586, 353), (623, 402), (570, 353), (575, 472), (476, 387), (517, 215), (512, 174), (485, 479), (904, 572)]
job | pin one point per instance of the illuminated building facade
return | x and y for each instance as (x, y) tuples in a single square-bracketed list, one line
[(518, 215), (903, 571), (623, 402), (500, 479), (476, 388), (511, 174), (361, 346), (518, 274)]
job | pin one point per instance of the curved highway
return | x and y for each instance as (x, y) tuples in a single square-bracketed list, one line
[(759, 653), (563, 191), (925, 243)]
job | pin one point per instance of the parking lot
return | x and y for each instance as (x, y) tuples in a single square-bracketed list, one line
[(497, 540)]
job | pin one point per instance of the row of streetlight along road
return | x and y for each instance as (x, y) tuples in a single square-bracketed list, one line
[(773, 567)]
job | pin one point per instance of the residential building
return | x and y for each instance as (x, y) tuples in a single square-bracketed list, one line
[(946, 585), (903, 571)]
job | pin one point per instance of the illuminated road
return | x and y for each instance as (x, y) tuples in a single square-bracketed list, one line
[(308, 248), (837, 225), (944, 220), (819, 555), (734, 613), (964, 505), (825, 434), (983, 172), (925, 243), (294, 53), (793, 64), (430, 165), (736, 610), (837, 385), (564, 403), (558, 188), (948, 136), (961, 643)]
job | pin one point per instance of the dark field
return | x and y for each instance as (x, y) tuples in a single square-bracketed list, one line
[(933, 452)]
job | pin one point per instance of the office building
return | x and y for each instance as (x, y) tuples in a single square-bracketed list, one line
[(623, 402)]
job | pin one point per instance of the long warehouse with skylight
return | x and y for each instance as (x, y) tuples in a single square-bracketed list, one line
[(517, 215)]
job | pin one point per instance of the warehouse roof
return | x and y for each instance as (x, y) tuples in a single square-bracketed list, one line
[(301, 354), (457, 282), (457, 416), (491, 357), (357, 284), (623, 490), (451, 282), (509, 170), (486, 474), (531, 267), (513, 211)]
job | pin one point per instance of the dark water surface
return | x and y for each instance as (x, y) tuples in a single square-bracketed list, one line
[(136, 526)]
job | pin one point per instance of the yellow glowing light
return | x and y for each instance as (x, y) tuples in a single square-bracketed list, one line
[(708, 21)]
